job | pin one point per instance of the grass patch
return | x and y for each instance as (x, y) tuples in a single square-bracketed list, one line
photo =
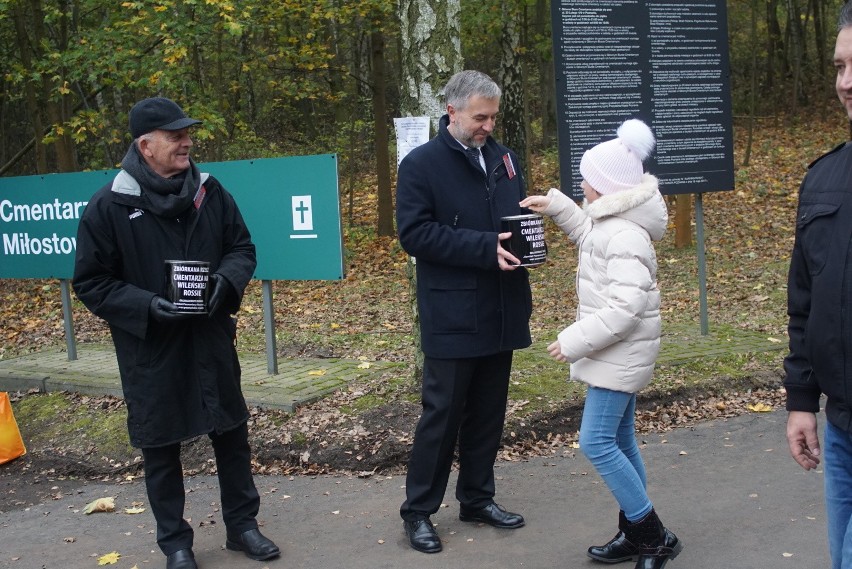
[(395, 387), (364, 403), (723, 369), (544, 383), (108, 432), (540, 380), (50, 420)]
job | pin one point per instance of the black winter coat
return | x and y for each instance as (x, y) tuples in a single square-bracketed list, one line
[(819, 292), (448, 214), (181, 379)]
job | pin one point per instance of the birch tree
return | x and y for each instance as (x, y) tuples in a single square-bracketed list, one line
[(511, 79), (430, 55)]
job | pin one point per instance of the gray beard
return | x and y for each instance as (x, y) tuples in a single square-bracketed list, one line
[(467, 141)]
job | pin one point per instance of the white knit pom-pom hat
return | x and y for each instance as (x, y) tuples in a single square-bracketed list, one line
[(616, 165)]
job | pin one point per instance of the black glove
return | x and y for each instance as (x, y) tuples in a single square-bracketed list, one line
[(219, 290), (164, 311)]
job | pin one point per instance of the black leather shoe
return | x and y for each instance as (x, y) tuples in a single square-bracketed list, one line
[(493, 515), (422, 536), (254, 545), (181, 559), (618, 549), (621, 549)]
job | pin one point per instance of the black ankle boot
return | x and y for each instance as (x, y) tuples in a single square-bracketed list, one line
[(657, 544), (618, 549)]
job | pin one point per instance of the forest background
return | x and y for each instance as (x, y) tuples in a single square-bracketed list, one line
[(296, 77), (299, 77)]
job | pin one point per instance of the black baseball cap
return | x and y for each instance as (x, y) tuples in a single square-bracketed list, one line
[(157, 113)]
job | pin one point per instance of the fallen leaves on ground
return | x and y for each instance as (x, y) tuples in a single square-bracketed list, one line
[(325, 437), (367, 316), (109, 558), (660, 419), (100, 505)]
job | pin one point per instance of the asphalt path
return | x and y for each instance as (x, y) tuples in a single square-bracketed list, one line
[(728, 489)]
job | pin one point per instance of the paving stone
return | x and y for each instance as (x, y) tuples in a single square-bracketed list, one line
[(95, 371)]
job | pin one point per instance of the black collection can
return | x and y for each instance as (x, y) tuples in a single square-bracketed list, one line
[(527, 240), (186, 285)]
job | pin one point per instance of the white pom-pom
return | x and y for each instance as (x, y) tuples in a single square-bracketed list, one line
[(637, 137)]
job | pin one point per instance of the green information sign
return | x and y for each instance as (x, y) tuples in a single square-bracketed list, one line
[(291, 206)]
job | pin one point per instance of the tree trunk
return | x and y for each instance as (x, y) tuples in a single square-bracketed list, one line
[(511, 80), (380, 119), (776, 62), (752, 103), (430, 55), (56, 94), (819, 40), (66, 152), (30, 92), (46, 97), (546, 82), (823, 55), (797, 47)]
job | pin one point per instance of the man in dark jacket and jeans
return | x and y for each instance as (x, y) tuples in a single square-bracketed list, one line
[(179, 372), (820, 308), (474, 304)]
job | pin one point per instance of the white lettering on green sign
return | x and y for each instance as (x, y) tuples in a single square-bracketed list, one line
[(23, 244), (40, 212)]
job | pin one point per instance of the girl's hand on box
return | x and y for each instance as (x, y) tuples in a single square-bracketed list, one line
[(536, 203)]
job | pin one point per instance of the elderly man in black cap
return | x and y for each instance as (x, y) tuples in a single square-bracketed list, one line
[(179, 371)]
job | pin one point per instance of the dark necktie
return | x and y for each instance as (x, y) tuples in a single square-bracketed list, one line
[(474, 155)]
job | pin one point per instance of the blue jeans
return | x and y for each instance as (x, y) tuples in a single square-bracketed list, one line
[(838, 495), (608, 439)]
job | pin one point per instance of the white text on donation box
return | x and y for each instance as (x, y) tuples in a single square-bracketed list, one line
[(303, 219)]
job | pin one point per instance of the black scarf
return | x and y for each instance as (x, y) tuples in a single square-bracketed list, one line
[(168, 197)]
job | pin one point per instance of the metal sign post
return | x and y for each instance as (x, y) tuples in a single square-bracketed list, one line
[(68, 319), (702, 264)]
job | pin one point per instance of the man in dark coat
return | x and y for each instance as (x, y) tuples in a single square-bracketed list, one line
[(819, 298), (474, 304), (179, 372)]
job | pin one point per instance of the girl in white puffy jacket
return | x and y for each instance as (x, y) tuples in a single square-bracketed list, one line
[(614, 342)]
